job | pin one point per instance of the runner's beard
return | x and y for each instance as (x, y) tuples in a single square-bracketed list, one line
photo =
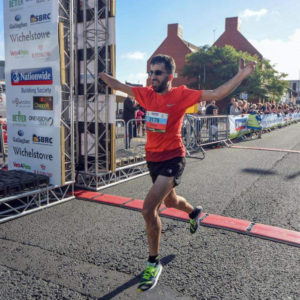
[(162, 87)]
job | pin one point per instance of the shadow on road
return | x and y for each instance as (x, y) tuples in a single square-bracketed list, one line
[(292, 176), (259, 171), (165, 260)]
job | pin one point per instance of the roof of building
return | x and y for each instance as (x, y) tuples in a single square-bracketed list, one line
[(233, 37), (192, 47)]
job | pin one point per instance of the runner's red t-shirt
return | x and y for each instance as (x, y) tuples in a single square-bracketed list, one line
[(164, 119)]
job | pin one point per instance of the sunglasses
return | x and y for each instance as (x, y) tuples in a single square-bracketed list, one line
[(156, 72)]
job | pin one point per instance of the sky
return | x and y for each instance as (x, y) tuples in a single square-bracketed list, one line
[(272, 26)]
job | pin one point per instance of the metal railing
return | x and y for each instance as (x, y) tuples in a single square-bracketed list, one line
[(198, 131)]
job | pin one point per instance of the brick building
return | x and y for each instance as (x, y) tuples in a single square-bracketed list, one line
[(234, 38), (175, 46)]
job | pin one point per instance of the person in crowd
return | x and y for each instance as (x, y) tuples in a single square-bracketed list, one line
[(165, 152), (232, 101), (139, 117), (211, 107), (235, 109), (202, 108), (130, 107)]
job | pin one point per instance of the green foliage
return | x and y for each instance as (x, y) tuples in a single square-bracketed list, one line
[(212, 66)]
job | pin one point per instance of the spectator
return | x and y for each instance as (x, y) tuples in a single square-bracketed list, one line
[(139, 116), (232, 101), (202, 108), (212, 110), (211, 107), (129, 114), (234, 109)]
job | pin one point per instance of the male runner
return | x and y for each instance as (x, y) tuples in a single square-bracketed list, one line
[(165, 152)]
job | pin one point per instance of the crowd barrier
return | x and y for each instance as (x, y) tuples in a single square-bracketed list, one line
[(238, 124), (198, 131)]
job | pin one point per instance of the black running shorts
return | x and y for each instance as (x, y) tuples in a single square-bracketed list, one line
[(170, 168)]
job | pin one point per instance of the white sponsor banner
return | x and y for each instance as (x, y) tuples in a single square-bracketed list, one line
[(35, 150), (33, 86)]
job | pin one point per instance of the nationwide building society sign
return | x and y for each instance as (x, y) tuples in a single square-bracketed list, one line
[(33, 87)]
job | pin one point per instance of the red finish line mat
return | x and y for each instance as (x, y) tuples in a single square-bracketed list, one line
[(273, 233), (276, 234), (226, 223), (266, 149)]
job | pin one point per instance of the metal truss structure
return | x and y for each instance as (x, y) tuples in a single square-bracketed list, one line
[(31, 201), (95, 154), (28, 202), (107, 179)]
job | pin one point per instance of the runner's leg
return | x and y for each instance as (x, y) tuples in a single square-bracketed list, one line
[(175, 201), (160, 189)]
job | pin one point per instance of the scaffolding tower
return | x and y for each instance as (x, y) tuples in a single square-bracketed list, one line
[(95, 109)]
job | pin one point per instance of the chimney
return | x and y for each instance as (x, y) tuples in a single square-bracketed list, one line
[(232, 24), (175, 30)]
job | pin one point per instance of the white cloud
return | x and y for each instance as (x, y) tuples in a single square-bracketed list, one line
[(137, 77), (248, 13), (284, 54), (137, 55)]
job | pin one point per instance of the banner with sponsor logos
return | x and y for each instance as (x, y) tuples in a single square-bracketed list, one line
[(238, 124), (33, 86)]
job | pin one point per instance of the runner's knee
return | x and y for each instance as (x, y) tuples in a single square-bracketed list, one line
[(170, 201)]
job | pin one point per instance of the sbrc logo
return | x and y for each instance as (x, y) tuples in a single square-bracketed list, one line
[(43, 140), (36, 76), (37, 19)]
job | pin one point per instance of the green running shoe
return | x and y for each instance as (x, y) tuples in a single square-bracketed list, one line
[(150, 276), (194, 223)]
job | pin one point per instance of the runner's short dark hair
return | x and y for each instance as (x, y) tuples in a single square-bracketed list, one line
[(167, 60)]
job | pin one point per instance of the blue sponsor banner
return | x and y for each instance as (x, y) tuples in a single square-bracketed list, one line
[(34, 76), (238, 124)]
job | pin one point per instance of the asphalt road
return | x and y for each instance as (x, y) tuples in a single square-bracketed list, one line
[(86, 250)]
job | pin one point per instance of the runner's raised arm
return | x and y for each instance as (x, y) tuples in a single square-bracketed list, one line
[(116, 84), (229, 86)]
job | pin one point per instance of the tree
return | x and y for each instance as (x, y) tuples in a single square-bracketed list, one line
[(212, 66)]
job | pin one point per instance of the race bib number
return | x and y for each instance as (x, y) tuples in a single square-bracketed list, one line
[(156, 122)]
